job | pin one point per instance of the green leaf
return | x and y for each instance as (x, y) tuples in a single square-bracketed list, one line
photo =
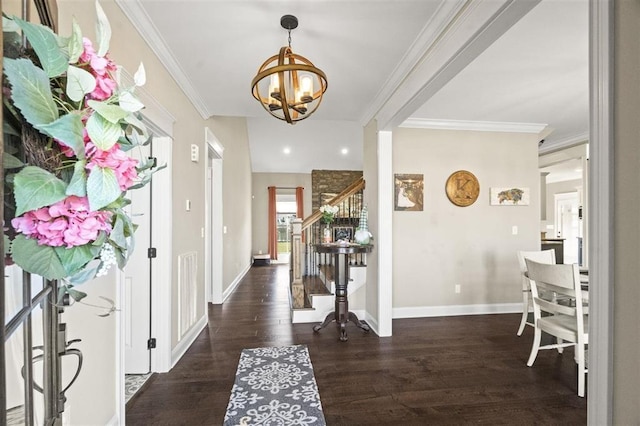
[(75, 294), (75, 258), (35, 188), (112, 113), (78, 184), (67, 129), (37, 259), (140, 77), (102, 187), (11, 162), (76, 46), (83, 276), (79, 83), (103, 31), (9, 26), (129, 103), (30, 91), (103, 133), (117, 233), (45, 44)]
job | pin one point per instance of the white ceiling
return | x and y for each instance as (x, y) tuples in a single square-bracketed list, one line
[(537, 72)]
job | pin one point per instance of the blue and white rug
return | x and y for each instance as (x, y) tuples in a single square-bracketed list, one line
[(275, 386)]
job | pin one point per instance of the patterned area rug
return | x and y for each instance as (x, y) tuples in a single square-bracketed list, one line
[(275, 386)]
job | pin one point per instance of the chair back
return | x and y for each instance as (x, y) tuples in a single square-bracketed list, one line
[(540, 256), (559, 280)]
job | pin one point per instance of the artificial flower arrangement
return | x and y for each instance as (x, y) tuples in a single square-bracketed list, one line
[(69, 125), (328, 213)]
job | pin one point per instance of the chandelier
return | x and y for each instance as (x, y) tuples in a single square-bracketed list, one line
[(285, 84)]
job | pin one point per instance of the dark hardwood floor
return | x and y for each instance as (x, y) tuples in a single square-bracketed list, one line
[(449, 371)]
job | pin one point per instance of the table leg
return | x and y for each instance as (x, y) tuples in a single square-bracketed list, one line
[(354, 319), (329, 318)]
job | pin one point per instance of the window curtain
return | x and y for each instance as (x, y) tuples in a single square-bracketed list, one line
[(299, 203), (273, 232)]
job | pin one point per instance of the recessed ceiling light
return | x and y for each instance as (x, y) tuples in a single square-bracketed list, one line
[(578, 170), (287, 150), (344, 151)]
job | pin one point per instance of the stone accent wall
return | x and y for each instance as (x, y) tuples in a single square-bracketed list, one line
[(330, 182)]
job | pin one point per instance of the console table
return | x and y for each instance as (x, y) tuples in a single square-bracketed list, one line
[(341, 314)]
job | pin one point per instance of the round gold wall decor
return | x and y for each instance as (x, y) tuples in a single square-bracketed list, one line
[(462, 188)]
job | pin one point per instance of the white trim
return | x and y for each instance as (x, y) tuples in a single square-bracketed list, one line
[(142, 23), (481, 126), (456, 310), (373, 323), (234, 284), (188, 339), (601, 205), (161, 267), (475, 27), (116, 420), (384, 245), (429, 34), (567, 142), (213, 248)]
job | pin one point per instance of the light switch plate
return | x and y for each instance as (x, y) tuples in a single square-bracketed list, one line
[(195, 153)]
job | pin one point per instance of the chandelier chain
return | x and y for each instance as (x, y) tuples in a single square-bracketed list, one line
[(289, 38)]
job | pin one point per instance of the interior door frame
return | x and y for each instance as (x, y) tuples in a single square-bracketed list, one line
[(213, 224), (160, 123)]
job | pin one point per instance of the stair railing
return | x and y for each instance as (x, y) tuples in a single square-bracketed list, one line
[(304, 257)]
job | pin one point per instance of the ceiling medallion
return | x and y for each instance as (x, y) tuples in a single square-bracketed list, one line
[(462, 188), (285, 82)]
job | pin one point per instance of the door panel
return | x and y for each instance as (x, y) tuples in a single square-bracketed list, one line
[(137, 279)]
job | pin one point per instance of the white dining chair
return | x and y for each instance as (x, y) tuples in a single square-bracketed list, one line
[(542, 256), (568, 323)]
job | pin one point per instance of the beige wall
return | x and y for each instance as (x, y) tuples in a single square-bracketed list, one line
[(236, 194), (626, 349), (128, 50), (260, 202), (370, 173), (470, 246)]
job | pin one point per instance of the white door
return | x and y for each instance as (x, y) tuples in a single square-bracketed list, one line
[(137, 280), (568, 224)]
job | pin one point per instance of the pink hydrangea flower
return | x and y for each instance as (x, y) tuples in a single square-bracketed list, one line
[(67, 223), (101, 67), (114, 158)]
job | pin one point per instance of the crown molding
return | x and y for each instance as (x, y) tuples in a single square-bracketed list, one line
[(569, 141), (141, 22), (481, 126), (428, 36)]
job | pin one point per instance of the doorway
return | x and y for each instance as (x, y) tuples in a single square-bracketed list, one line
[(285, 213), (567, 224), (213, 226)]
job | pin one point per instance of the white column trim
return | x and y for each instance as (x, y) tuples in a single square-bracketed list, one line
[(601, 204), (385, 234)]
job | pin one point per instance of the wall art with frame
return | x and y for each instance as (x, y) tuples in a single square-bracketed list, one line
[(408, 192), (510, 196)]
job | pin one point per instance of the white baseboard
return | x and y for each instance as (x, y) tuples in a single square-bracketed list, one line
[(373, 323), (188, 340), (234, 284), (114, 421), (455, 310)]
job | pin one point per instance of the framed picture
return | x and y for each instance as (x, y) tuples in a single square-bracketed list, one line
[(408, 193), (342, 233), (510, 196)]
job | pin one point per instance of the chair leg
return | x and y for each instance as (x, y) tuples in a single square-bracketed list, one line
[(525, 312), (536, 346), (560, 348), (581, 369)]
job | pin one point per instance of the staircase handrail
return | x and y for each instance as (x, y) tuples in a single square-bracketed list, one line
[(356, 186)]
